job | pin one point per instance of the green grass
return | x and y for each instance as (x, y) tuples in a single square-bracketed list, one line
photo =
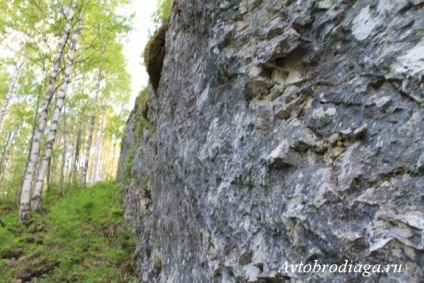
[(78, 238)]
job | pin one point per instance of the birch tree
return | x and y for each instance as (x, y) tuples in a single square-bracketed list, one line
[(44, 29), (38, 189), (63, 158), (10, 92), (91, 126), (24, 209), (95, 168)]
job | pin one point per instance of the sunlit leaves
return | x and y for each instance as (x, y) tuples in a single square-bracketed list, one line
[(163, 11), (33, 28)]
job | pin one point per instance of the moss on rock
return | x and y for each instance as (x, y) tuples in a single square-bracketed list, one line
[(154, 54)]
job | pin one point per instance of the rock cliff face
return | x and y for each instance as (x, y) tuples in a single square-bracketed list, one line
[(284, 131)]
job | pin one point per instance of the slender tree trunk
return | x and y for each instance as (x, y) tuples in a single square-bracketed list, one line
[(6, 146), (40, 90), (13, 147), (103, 156), (24, 209), (103, 164), (91, 176), (91, 127), (96, 155), (5, 155), (38, 189), (51, 178), (63, 161), (74, 167), (49, 171), (112, 165), (10, 92)]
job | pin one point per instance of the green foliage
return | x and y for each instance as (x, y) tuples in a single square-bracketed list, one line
[(129, 160), (4, 87), (33, 28), (142, 108), (143, 125), (163, 11), (80, 238)]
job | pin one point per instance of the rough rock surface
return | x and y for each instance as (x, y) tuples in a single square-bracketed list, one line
[(285, 131)]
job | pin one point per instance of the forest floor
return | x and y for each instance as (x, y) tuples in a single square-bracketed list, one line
[(77, 238)]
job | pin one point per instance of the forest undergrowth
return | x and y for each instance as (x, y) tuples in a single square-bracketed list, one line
[(80, 238)]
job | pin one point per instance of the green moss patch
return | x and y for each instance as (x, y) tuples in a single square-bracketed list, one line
[(154, 54)]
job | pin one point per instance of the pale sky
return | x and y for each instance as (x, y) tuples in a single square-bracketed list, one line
[(142, 23)]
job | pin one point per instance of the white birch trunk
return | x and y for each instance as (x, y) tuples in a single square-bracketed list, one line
[(75, 160), (95, 176), (5, 155), (10, 92), (63, 161), (24, 209), (42, 170), (112, 164), (91, 127)]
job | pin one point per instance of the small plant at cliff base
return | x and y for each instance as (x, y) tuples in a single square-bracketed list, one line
[(163, 12)]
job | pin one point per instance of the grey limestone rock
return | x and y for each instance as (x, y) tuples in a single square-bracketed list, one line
[(284, 131)]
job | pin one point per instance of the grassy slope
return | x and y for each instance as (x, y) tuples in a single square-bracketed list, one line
[(79, 238)]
